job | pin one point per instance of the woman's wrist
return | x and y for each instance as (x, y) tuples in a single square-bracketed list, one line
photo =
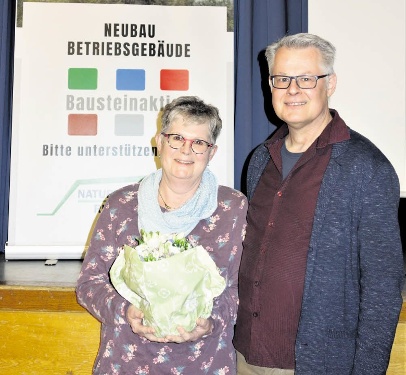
[(211, 328)]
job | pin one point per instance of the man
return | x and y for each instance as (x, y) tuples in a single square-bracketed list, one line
[(322, 270)]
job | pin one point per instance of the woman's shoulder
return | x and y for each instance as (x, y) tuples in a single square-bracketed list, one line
[(124, 194), (226, 190), (226, 193)]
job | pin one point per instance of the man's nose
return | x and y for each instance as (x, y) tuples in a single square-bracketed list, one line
[(293, 87)]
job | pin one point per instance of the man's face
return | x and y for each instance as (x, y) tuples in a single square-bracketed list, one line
[(298, 107)]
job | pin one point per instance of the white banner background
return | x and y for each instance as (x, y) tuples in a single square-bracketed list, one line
[(56, 189)]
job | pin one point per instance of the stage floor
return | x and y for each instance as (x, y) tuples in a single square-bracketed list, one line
[(35, 273)]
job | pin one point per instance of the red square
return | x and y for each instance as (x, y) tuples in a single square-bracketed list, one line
[(174, 79), (82, 124)]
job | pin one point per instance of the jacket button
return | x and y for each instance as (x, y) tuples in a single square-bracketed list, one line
[(255, 314), (256, 283)]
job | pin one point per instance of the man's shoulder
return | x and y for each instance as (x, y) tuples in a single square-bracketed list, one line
[(260, 154), (361, 157), (359, 148)]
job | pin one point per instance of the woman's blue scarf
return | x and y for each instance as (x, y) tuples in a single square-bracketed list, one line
[(182, 220)]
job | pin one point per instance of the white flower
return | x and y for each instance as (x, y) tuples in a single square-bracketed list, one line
[(155, 246)]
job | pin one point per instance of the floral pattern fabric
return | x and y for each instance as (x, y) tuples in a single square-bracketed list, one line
[(123, 352)]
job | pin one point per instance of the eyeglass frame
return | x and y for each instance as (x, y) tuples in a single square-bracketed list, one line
[(209, 145), (295, 78)]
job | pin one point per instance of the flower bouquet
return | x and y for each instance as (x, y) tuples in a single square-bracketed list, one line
[(171, 281)]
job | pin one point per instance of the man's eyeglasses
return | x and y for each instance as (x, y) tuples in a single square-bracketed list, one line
[(177, 141), (304, 82)]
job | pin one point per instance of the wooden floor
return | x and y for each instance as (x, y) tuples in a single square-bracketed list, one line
[(44, 330)]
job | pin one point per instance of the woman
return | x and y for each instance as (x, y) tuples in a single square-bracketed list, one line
[(182, 196)]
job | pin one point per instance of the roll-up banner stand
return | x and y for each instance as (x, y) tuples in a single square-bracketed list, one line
[(90, 81)]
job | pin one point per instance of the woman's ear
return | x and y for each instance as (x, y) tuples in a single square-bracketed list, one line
[(213, 151), (158, 141)]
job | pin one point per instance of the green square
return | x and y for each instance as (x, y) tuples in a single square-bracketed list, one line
[(82, 79)]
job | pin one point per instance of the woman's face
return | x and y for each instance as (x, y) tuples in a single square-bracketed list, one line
[(183, 163)]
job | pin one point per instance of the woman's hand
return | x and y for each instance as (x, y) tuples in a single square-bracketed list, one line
[(203, 327), (134, 318)]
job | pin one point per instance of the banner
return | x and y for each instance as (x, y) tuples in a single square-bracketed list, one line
[(90, 80)]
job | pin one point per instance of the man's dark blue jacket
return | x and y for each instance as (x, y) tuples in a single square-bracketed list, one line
[(354, 275)]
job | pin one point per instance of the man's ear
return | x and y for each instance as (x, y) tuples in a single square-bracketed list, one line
[(331, 85), (269, 82)]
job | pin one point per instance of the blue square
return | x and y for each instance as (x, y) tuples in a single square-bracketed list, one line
[(130, 79)]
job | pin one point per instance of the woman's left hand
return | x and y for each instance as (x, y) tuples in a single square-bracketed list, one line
[(203, 327), (134, 318)]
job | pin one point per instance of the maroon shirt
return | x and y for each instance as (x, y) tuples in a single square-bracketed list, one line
[(272, 271)]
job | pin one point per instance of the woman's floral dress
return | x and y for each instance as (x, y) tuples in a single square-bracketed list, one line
[(124, 352)]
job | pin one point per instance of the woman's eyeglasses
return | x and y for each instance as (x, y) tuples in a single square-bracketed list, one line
[(177, 141)]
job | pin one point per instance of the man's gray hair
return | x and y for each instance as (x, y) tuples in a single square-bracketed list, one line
[(299, 41)]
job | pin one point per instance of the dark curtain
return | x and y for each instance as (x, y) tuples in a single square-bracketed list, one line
[(7, 17), (256, 25)]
